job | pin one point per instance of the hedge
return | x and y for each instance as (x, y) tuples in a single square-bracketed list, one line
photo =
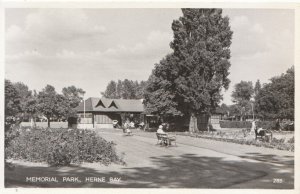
[(235, 124), (60, 147), (248, 124)]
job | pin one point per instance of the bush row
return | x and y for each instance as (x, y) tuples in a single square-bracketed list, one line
[(235, 124), (60, 147), (240, 138), (248, 124)]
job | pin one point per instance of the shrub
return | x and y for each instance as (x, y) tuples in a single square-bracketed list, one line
[(235, 124), (60, 147), (292, 140), (267, 125)]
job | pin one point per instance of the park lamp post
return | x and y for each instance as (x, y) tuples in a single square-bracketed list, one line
[(83, 108), (252, 110)]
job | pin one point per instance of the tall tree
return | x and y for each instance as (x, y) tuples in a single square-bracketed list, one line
[(128, 88), (241, 95), (257, 87), (191, 78), (111, 90)]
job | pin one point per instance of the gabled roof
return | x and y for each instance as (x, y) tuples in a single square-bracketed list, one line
[(111, 105)]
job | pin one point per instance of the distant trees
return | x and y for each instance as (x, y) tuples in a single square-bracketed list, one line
[(241, 96), (54, 105), (275, 100), (257, 88), (189, 80), (126, 89), (21, 102)]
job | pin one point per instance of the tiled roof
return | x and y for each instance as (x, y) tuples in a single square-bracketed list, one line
[(111, 105)]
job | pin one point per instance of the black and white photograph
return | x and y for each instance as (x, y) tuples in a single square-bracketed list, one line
[(185, 97)]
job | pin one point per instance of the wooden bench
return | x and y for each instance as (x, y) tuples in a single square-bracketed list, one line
[(263, 135), (164, 139)]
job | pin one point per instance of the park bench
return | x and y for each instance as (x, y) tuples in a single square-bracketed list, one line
[(164, 139), (264, 135)]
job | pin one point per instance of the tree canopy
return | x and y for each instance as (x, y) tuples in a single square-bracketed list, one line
[(276, 99), (126, 89), (75, 95), (12, 100), (189, 80), (54, 105)]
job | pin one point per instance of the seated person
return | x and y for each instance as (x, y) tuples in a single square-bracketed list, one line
[(132, 124), (160, 130), (141, 125), (126, 124)]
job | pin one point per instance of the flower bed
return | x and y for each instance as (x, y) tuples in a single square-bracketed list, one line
[(242, 137), (60, 147)]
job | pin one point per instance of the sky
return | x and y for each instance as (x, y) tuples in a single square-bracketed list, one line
[(89, 47)]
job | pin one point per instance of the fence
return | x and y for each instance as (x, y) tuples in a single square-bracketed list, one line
[(45, 124)]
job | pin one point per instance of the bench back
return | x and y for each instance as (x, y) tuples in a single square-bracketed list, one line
[(160, 135)]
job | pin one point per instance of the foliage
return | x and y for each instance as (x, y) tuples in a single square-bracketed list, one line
[(13, 108), (24, 93), (51, 104), (126, 89), (74, 96), (235, 124), (247, 124), (241, 96), (276, 99), (12, 100), (243, 91), (240, 138), (60, 147), (189, 80), (257, 87)]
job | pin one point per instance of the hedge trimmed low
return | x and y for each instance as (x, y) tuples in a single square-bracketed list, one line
[(248, 124), (60, 147), (235, 124)]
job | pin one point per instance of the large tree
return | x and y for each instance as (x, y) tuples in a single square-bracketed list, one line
[(51, 104), (276, 99), (190, 79), (73, 94)]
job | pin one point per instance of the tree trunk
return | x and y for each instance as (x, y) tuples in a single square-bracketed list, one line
[(193, 126)]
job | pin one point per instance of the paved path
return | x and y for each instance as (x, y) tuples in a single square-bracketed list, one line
[(194, 163)]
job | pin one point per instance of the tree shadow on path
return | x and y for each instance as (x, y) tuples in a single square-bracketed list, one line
[(185, 171)]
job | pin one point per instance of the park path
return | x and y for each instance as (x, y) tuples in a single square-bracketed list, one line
[(194, 163)]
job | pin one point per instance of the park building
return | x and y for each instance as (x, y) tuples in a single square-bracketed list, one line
[(96, 113), (99, 113)]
